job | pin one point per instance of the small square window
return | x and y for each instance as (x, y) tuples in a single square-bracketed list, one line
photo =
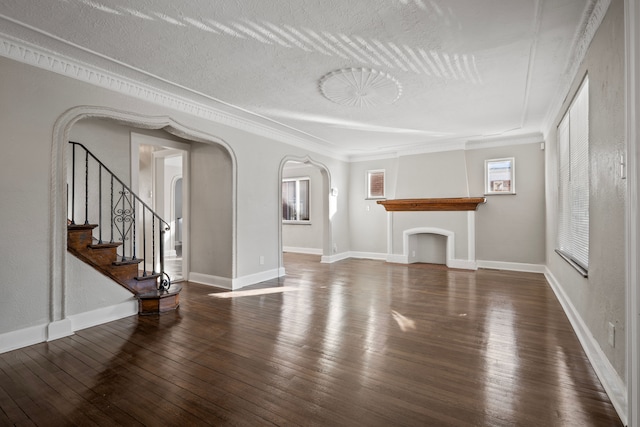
[(499, 176), (375, 184)]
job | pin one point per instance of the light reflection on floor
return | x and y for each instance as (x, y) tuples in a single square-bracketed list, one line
[(253, 292), (403, 322)]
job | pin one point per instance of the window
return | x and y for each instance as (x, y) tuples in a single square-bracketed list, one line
[(375, 184), (573, 174), (499, 176), (295, 199)]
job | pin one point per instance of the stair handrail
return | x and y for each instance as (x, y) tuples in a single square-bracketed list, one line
[(165, 280)]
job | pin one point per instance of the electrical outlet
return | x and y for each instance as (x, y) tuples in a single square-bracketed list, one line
[(261, 260), (413, 254), (612, 335)]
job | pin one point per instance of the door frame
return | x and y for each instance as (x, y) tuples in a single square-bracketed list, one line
[(327, 195), (632, 107), (172, 147)]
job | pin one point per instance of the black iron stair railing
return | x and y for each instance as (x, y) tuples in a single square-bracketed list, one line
[(123, 206)]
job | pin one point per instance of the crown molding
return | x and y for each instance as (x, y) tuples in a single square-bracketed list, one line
[(532, 138), (592, 22), (170, 96), (453, 145), (411, 150)]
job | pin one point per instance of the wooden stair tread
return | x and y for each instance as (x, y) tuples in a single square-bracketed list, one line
[(74, 227), (128, 262), (148, 276), (173, 290), (105, 245)]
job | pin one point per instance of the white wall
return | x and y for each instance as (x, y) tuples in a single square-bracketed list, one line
[(442, 174), (211, 247), (108, 141), (368, 220), (599, 299), (510, 228), (91, 290)]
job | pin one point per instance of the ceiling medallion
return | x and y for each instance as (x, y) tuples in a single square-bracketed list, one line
[(360, 87)]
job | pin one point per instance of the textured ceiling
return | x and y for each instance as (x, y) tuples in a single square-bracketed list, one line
[(466, 69)]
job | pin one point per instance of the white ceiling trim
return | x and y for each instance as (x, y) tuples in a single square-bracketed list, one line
[(584, 36), (504, 141), (40, 57), (532, 55), (534, 138), (434, 147)]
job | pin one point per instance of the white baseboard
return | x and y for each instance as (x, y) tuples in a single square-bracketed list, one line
[(611, 381), (22, 338), (215, 281), (329, 259), (512, 266), (368, 255), (103, 315), (309, 251), (237, 283), (63, 328), (453, 263), (252, 279), (463, 264), (398, 259), (59, 329)]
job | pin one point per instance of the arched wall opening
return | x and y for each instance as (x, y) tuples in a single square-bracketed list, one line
[(312, 236), (205, 147)]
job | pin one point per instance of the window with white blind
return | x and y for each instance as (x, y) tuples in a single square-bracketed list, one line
[(573, 191), (375, 184), (295, 199)]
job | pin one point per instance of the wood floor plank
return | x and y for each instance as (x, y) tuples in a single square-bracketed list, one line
[(357, 343)]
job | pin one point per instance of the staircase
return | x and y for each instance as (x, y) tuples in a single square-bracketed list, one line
[(118, 258)]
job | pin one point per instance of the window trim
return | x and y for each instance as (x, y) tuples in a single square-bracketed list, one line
[(297, 181), (489, 173), (367, 180), (572, 195)]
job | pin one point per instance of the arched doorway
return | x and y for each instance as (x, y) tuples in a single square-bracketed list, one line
[(59, 324), (305, 225)]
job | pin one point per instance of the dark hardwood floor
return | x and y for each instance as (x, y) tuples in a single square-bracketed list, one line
[(358, 342)]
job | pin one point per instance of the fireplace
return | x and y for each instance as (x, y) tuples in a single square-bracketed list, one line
[(454, 219)]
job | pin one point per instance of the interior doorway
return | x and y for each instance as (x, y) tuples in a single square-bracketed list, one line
[(304, 208), (161, 177), (167, 178)]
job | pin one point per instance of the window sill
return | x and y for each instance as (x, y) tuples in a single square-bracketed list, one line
[(579, 268), (286, 222)]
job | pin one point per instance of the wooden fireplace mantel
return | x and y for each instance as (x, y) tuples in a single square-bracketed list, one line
[(440, 204)]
